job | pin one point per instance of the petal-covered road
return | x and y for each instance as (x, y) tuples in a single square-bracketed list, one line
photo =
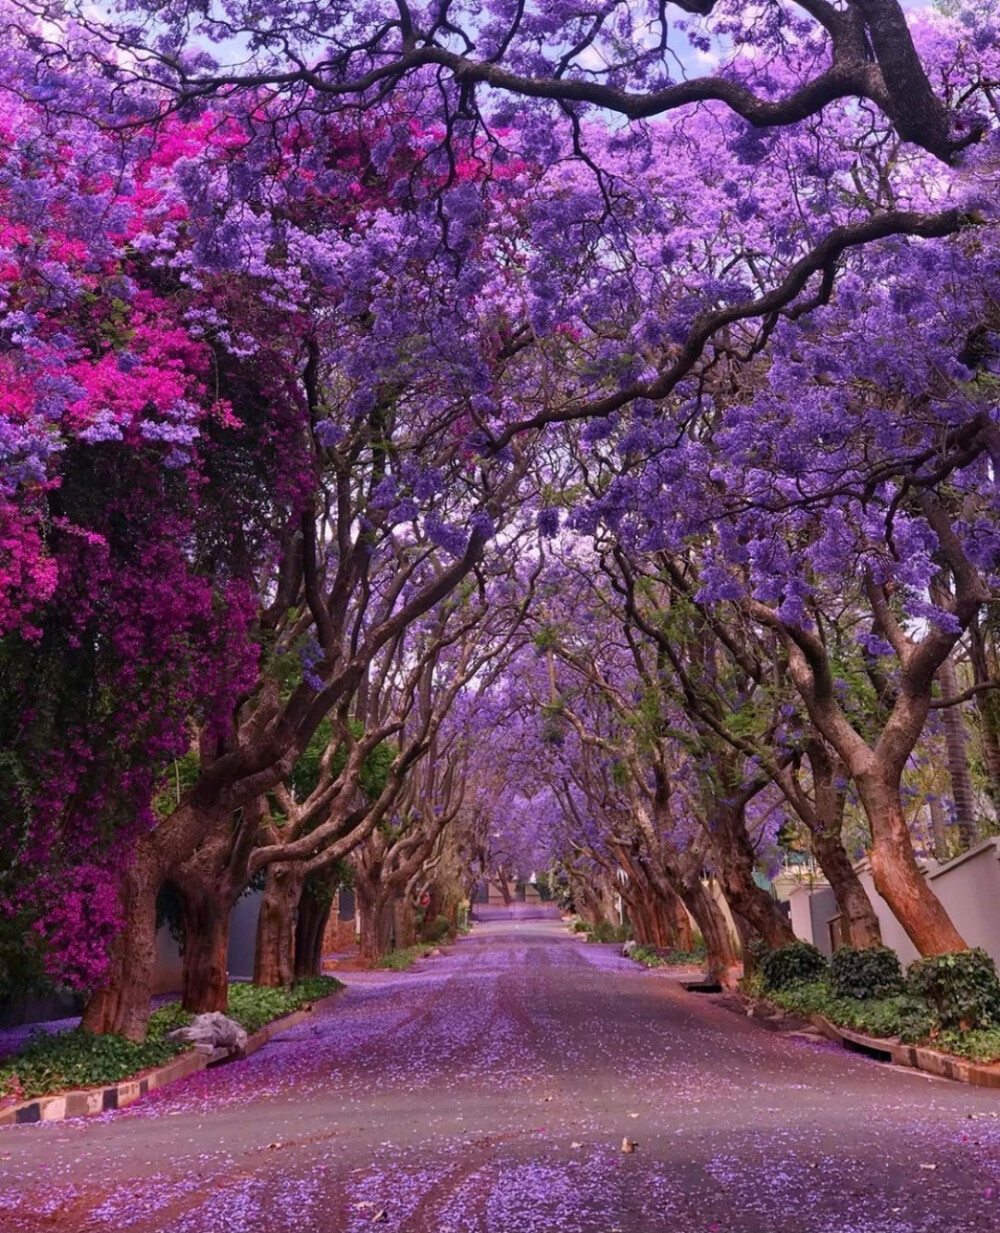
[(489, 1091)]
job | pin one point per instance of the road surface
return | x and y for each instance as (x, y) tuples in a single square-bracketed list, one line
[(489, 1091)]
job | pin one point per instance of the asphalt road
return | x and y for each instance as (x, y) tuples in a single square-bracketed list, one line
[(489, 1090)]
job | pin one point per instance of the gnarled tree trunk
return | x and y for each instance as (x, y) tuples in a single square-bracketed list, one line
[(721, 960), (405, 921), (375, 911), (735, 860), (205, 971), (310, 928), (121, 1005), (824, 818), (852, 899), (274, 951), (897, 875)]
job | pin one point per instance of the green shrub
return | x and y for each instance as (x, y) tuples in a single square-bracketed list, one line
[(798, 962), (804, 997), (437, 929), (899, 1015), (63, 1060), (980, 1045), (604, 931), (654, 958), (870, 973), (875, 1017), (962, 988), (753, 954), (167, 1019), (313, 988), (400, 960), (578, 926), (647, 955), (253, 1005), (916, 1021)]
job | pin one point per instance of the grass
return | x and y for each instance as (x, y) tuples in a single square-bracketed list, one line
[(62, 1061)]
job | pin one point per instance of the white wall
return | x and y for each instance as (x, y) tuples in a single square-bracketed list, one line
[(969, 890)]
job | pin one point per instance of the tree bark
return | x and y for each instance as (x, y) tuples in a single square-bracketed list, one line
[(721, 961), (121, 1005), (824, 818), (645, 918), (310, 928), (958, 757), (274, 951), (897, 875), (205, 971), (939, 829), (682, 938), (375, 910), (735, 860), (852, 899), (405, 921)]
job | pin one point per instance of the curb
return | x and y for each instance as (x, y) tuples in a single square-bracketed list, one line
[(917, 1057), (85, 1102), (260, 1038)]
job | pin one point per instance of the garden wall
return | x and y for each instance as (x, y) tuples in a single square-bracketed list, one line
[(968, 887)]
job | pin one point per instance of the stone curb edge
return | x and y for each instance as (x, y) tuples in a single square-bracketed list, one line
[(88, 1101), (917, 1057)]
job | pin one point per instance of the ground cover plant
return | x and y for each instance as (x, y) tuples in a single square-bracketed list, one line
[(405, 957), (77, 1058), (949, 1002), (604, 931), (650, 957)]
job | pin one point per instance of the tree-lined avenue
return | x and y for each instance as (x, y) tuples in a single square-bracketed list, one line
[(490, 1089)]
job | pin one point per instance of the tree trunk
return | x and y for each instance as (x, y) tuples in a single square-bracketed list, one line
[(825, 821), (746, 933), (939, 828), (897, 875), (274, 950), (988, 709), (644, 920), (680, 924), (310, 928), (958, 757), (405, 922), (721, 961), (121, 1005), (205, 972), (855, 906), (593, 903), (375, 910), (735, 860)]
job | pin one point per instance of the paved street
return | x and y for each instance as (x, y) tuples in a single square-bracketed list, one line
[(489, 1090)]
